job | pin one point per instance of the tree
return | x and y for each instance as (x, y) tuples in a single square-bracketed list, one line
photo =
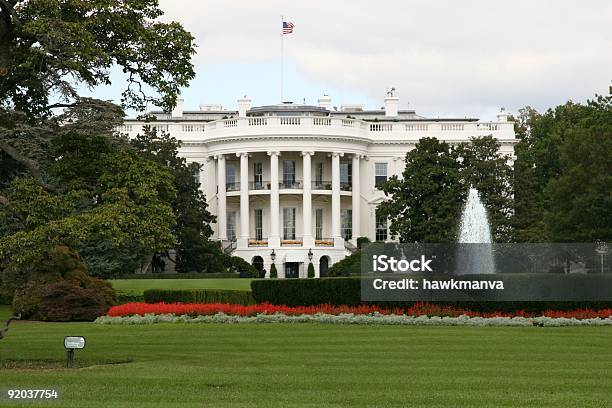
[(47, 47), (273, 272), (195, 252), (425, 205), (488, 171), (579, 201), (311, 270)]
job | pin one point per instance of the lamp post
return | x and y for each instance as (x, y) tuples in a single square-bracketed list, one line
[(602, 249), (273, 255), (310, 254)]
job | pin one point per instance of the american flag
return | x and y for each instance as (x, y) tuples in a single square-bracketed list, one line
[(287, 27)]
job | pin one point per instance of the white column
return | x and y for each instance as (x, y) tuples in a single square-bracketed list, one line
[(274, 238), (307, 200), (243, 242), (336, 235), (356, 199), (221, 198)]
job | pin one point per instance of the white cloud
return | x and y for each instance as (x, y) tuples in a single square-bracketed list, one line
[(445, 57)]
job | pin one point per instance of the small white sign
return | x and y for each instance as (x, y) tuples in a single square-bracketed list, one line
[(74, 342)]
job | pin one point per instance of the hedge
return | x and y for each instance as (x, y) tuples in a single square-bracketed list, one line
[(239, 297), (347, 291), (221, 275)]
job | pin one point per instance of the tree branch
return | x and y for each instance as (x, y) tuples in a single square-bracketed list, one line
[(8, 8), (28, 163)]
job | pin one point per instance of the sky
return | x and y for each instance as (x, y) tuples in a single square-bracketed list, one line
[(446, 58)]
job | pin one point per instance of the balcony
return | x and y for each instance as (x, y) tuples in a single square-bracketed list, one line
[(324, 242), (321, 185), (290, 184), (233, 186), (346, 186), (297, 241), (261, 242), (260, 185)]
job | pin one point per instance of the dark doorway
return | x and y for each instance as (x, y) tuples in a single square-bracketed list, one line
[(323, 266), (292, 270)]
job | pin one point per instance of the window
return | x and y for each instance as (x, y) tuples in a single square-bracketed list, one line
[(380, 173), (381, 228), (319, 175), (257, 175), (231, 225), (230, 176), (258, 224), (289, 223), (319, 223), (195, 173), (346, 175), (346, 217), (288, 173)]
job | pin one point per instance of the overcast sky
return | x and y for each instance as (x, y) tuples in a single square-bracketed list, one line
[(446, 58)]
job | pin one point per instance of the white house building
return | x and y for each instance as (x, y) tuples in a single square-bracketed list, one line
[(294, 183)]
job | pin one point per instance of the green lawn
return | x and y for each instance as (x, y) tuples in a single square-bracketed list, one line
[(306, 365), (137, 286)]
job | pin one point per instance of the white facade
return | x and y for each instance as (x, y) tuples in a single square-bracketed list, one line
[(298, 179)]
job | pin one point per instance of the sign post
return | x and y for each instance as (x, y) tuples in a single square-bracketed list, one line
[(70, 344)]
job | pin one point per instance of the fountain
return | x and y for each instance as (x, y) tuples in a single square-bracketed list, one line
[(477, 256)]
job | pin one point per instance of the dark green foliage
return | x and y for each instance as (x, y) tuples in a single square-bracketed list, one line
[(273, 272), (311, 270), (350, 265), (239, 297), (307, 292), (66, 301), (49, 47), (195, 252), (362, 241), (235, 264), (426, 204), (60, 265)]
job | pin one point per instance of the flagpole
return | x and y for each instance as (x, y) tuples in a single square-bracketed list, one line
[(282, 59)]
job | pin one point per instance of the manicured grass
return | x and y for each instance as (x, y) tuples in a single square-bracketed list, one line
[(306, 365), (137, 286)]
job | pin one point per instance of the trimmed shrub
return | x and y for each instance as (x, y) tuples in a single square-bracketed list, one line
[(67, 301), (351, 265), (273, 272), (361, 241), (238, 297), (311, 271), (238, 265), (308, 292)]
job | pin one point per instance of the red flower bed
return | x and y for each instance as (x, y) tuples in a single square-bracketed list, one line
[(418, 309)]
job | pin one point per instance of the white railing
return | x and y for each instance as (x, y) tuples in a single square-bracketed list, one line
[(322, 121), (381, 127), (487, 126), (231, 123), (451, 127), (348, 123), (290, 120), (192, 128), (258, 121), (416, 127)]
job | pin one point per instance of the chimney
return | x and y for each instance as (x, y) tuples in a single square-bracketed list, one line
[(177, 112), (325, 102), (502, 116), (244, 104), (391, 103)]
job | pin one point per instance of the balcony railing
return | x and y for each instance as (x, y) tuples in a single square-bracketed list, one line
[(346, 186), (324, 242), (260, 185), (321, 185), (290, 184), (297, 241), (235, 186), (254, 242)]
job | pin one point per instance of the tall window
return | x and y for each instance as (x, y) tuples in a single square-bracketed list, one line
[(231, 225), (288, 173), (346, 216), (346, 174), (381, 227), (288, 223), (195, 173), (258, 224), (230, 176), (319, 223), (319, 174), (258, 175), (380, 173)]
